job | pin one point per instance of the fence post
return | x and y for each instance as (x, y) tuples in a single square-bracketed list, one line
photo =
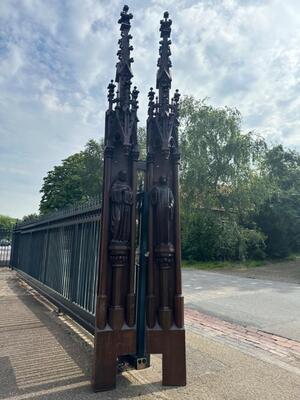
[(74, 264), (45, 256), (13, 248)]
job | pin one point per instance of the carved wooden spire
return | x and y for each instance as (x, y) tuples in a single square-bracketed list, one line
[(121, 123), (164, 79), (124, 73), (163, 113)]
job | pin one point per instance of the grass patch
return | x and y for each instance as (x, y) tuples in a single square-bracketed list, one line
[(237, 264), (222, 264)]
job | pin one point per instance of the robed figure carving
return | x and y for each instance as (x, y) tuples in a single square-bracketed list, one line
[(162, 200), (121, 198)]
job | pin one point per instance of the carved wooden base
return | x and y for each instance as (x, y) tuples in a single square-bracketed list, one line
[(108, 346), (130, 309), (165, 317), (179, 310), (116, 317), (171, 344), (151, 310)]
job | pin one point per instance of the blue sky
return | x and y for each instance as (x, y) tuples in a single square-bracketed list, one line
[(57, 57)]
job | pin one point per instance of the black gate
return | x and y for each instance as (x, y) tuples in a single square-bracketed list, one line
[(5, 246), (57, 254)]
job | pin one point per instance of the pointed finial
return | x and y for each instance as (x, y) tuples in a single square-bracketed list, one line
[(111, 92), (124, 73), (134, 94), (165, 25), (175, 103), (151, 103), (176, 96), (163, 77), (151, 95), (125, 18)]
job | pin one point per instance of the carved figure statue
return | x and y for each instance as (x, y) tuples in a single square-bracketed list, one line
[(121, 199), (162, 200)]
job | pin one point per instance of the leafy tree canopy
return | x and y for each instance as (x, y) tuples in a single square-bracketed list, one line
[(283, 167), (30, 217), (221, 184), (7, 222), (279, 217), (76, 180), (219, 162)]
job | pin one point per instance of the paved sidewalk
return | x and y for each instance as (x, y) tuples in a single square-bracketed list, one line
[(46, 356), (266, 346)]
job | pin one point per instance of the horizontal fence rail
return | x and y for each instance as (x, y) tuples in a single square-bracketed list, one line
[(58, 255)]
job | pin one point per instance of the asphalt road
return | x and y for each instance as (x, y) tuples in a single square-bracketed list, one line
[(271, 306)]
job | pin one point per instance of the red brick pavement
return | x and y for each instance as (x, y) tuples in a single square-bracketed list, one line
[(285, 349)]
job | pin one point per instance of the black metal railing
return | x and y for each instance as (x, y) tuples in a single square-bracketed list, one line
[(5, 246), (58, 254)]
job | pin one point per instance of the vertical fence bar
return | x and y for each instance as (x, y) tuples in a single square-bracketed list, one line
[(74, 264), (61, 252)]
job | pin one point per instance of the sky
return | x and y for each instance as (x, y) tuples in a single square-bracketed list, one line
[(57, 57)]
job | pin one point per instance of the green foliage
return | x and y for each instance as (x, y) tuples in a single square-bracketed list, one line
[(213, 236), (204, 238), (217, 159), (76, 180), (220, 184), (283, 167), (30, 217), (252, 244), (279, 218), (7, 222), (207, 265)]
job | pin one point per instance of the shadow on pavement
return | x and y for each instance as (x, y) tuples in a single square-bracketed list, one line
[(43, 358)]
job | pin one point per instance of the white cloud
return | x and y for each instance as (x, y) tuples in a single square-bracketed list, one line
[(52, 102), (12, 63)]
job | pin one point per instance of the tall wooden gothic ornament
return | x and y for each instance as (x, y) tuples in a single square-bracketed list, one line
[(115, 309), (165, 306)]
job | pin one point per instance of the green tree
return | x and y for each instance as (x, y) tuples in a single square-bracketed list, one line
[(7, 222), (30, 217), (76, 180), (220, 182), (279, 217), (218, 160)]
